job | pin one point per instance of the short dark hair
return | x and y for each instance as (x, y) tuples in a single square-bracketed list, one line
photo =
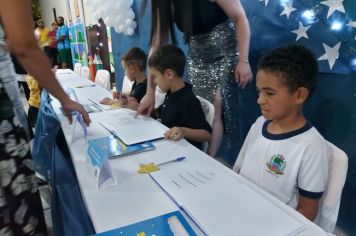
[(135, 56), (296, 65), (61, 17), (168, 57)]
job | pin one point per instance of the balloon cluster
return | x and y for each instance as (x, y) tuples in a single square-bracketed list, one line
[(115, 13)]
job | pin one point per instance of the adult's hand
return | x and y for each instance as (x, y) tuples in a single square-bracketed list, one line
[(243, 74), (69, 106), (146, 105)]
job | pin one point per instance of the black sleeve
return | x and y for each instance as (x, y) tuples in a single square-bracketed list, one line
[(194, 116), (140, 91), (308, 194)]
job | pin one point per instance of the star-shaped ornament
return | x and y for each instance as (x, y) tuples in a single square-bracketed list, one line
[(302, 31), (352, 24), (331, 54), (288, 9), (334, 5)]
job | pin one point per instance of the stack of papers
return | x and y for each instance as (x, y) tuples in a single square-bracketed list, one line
[(132, 130), (231, 208)]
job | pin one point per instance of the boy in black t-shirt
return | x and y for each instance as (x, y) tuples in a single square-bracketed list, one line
[(134, 64), (181, 111)]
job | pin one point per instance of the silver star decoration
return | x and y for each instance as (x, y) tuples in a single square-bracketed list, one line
[(266, 2), (352, 24), (334, 5), (288, 9), (302, 31), (331, 54)]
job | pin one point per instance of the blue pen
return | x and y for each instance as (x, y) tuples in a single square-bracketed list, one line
[(175, 160), (86, 86)]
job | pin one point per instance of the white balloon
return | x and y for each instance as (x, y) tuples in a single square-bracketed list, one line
[(133, 25), (115, 13), (117, 29), (119, 19), (128, 22), (131, 14), (108, 10), (109, 21), (124, 3), (129, 31), (122, 28)]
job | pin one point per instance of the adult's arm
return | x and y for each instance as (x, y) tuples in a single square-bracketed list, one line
[(18, 25), (148, 101), (236, 13)]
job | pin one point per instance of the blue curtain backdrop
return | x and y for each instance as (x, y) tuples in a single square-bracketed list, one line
[(326, 27)]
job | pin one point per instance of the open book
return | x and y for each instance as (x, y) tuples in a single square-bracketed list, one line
[(221, 204), (132, 129), (111, 147)]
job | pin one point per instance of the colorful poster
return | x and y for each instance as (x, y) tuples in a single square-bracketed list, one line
[(78, 44)]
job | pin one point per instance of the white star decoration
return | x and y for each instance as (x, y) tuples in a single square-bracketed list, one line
[(352, 24), (331, 54), (288, 9), (302, 31), (266, 2), (334, 5)]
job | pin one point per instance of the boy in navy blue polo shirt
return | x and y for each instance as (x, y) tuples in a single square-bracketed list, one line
[(181, 111)]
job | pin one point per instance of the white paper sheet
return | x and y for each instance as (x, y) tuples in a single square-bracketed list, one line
[(98, 104), (232, 208), (133, 130)]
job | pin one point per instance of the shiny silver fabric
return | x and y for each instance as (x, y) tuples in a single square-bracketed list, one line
[(212, 59)]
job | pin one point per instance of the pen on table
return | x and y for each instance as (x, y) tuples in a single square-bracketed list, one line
[(175, 160), (85, 86)]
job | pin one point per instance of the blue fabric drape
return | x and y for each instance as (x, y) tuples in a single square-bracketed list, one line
[(53, 160)]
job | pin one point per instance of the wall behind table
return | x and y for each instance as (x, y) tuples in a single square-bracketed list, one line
[(47, 13)]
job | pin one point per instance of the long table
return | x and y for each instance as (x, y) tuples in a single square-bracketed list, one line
[(138, 197)]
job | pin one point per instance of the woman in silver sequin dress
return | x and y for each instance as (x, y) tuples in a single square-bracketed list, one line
[(217, 58), (20, 204)]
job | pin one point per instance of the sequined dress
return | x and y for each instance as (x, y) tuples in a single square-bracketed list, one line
[(212, 58)]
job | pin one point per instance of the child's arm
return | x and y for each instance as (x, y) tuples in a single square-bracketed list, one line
[(198, 135), (308, 207), (129, 102)]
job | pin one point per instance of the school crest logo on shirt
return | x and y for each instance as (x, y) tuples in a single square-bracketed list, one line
[(277, 164)]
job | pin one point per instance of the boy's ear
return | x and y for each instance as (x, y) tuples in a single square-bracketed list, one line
[(302, 94), (169, 73)]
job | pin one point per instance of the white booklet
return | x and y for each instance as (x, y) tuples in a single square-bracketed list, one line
[(131, 129), (223, 205)]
